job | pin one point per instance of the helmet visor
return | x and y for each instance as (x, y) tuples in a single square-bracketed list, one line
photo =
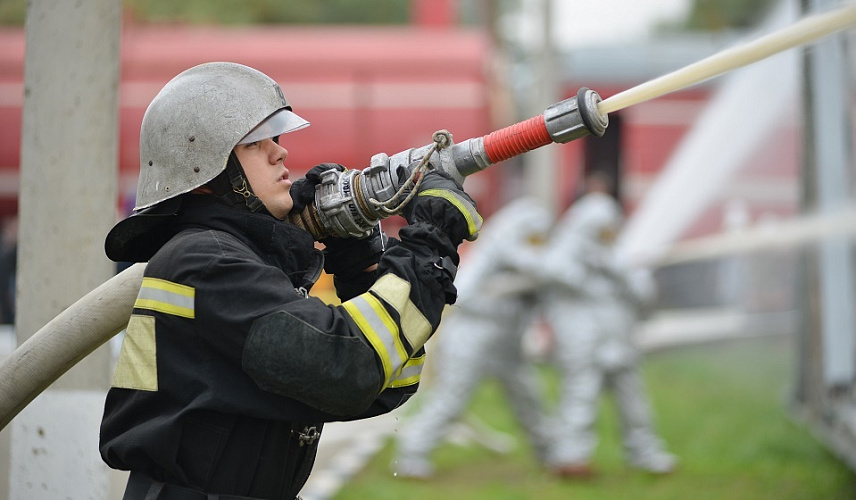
[(280, 122)]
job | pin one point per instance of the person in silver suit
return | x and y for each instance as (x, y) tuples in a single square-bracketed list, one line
[(481, 337), (592, 305)]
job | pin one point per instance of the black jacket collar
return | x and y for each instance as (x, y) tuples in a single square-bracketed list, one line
[(284, 245), (279, 243)]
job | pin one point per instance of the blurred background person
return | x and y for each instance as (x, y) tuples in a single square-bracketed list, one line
[(482, 337), (8, 269), (592, 304)]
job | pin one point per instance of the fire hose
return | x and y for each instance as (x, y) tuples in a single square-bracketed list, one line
[(68, 338)]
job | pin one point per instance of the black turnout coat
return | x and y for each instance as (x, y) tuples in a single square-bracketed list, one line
[(229, 369)]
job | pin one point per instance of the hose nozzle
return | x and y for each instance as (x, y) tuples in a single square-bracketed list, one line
[(562, 122), (576, 117)]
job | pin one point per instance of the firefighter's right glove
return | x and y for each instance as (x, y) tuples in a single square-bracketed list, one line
[(303, 190), (442, 203)]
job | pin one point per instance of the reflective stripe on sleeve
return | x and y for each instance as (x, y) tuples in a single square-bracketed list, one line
[(137, 367), (380, 330), (166, 297), (474, 220), (410, 374), (396, 292)]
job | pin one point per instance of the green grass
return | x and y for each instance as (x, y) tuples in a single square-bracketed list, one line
[(722, 408)]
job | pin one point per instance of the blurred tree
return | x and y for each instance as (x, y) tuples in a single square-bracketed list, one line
[(718, 15), (235, 12), (12, 12), (270, 11)]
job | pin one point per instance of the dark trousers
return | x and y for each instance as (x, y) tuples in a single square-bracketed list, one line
[(142, 487)]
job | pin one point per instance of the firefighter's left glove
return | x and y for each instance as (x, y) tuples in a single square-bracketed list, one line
[(349, 256), (442, 202), (303, 190)]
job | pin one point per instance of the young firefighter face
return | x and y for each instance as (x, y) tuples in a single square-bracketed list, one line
[(263, 163)]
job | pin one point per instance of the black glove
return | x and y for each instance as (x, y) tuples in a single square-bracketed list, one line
[(349, 256), (442, 202), (303, 190)]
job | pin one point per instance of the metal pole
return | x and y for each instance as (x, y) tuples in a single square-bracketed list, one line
[(833, 160), (808, 387), (827, 356), (541, 165)]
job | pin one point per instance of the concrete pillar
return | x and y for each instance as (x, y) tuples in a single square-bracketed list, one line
[(67, 205)]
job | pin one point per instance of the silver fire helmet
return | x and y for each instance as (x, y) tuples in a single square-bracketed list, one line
[(196, 120)]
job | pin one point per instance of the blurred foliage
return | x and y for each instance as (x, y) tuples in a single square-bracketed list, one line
[(715, 15), (12, 12), (704, 15), (270, 11), (234, 12), (718, 15)]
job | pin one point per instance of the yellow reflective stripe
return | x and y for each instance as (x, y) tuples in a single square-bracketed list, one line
[(371, 336), (138, 366), (396, 292), (474, 220), (410, 374), (166, 297), (380, 329)]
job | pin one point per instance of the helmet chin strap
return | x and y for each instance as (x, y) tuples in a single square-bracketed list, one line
[(238, 192)]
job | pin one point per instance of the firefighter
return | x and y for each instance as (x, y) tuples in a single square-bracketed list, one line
[(481, 337), (228, 368), (593, 302)]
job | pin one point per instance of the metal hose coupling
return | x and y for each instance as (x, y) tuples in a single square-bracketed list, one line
[(351, 203), (576, 117)]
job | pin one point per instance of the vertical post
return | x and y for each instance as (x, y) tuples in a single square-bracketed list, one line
[(502, 105), (501, 98), (807, 389), (832, 104), (67, 199), (827, 347), (541, 165)]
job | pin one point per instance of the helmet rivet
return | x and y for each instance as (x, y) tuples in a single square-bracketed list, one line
[(192, 138), (166, 188), (150, 163), (196, 169)]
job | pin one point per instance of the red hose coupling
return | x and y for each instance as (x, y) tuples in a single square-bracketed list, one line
[(516, 139)]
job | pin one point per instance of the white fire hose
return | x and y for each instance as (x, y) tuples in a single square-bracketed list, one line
[(65, 340)]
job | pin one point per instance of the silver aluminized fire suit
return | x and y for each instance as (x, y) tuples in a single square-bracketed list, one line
[(592, 305), (481, 336)]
